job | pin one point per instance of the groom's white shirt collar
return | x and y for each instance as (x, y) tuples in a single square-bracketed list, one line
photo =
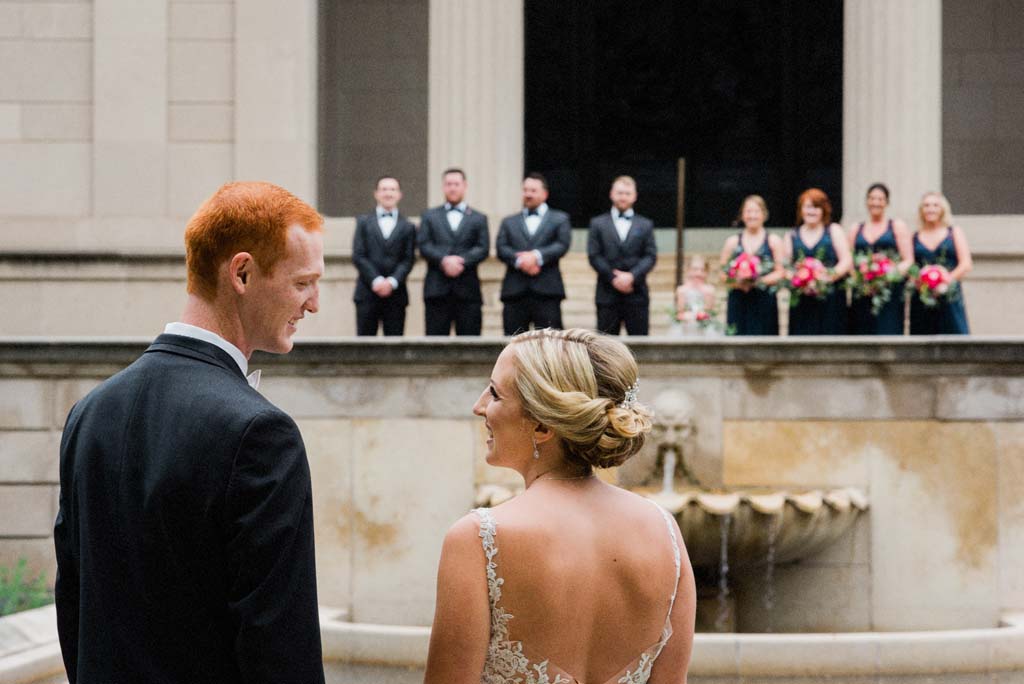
[(186, 330)]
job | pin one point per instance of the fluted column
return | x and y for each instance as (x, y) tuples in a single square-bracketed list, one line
[(476, 100), (892, 101)]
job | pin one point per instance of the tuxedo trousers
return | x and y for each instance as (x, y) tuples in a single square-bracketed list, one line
[(386, 312), (543, 312), (634, 313), (440, 313)]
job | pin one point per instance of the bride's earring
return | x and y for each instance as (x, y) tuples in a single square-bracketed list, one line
[(536, 451)]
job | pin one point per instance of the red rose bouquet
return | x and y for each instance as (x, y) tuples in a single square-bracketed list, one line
[(933, 284), (809, 278), (746, 269), (875, 276)]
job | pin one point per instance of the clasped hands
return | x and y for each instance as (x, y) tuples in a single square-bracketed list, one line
[(527, 263), (382, 287), (622, 281), (453, 265)]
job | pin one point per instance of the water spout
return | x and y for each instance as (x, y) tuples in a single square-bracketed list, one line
[(722, 620), (668, 475)]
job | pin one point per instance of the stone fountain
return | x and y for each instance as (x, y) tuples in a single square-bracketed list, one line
[(762, 526)]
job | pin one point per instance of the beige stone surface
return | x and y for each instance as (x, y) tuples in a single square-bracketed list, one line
[(10, 19), (200, 71), (56, 122), (412, 480), (384, 396), (190, 20), (329, 449), (762, 395), (66, 394), (194, 171), (29, 456), (57, 20), (104, 308), (119, 188), (275, 93), (980, 398), (52, 179), (799, 454), (10, 122), (201, 123), (1010, 448), (27, 510), (46, 71), (25, 404), (38, 553), (934, 526)]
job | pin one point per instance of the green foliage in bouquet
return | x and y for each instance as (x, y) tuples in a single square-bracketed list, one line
[(876, 277)]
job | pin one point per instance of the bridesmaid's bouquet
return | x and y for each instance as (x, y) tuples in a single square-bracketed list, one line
[(745, 269), (932, 284), (874, 276), (809, 278)]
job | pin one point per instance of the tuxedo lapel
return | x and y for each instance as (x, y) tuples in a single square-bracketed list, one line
[(611, 233), (523, 229), (376, 229), (544, 224)]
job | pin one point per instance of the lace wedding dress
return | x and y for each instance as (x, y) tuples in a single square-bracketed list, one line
[(506, 663)]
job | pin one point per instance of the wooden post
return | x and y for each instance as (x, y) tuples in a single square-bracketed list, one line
[(680, 215)]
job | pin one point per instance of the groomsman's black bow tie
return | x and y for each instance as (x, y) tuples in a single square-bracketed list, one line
[(532, 212), (625, 216), (455, 208), (386, 214)]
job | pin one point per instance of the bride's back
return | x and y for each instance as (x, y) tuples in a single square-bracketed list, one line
[(588, 572)]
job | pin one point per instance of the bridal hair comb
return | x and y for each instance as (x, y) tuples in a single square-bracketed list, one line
[(630, 399)]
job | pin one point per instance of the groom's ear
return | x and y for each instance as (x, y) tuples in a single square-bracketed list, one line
[(240, 270)]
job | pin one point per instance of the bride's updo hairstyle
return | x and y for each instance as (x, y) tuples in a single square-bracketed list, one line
[(582, 385)]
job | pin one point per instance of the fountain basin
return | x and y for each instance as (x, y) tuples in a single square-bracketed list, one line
[(776, 526), (361, 653)]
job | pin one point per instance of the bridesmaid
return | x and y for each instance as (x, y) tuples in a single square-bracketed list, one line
[(818, 237), (750, 309), (938, 241), (880, 234)]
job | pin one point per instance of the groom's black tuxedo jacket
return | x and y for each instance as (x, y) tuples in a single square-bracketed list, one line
[(552, 239), (185, 531)]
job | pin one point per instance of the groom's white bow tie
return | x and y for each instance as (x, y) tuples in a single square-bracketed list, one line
[(254, 379)]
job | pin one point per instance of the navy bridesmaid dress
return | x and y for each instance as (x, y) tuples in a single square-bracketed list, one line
[(755, 312), (948, 318), (889, 320), (812, 316)]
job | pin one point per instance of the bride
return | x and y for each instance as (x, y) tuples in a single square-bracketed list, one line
[(574, 580)]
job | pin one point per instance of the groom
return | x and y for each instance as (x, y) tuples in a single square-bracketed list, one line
[(185, 531)]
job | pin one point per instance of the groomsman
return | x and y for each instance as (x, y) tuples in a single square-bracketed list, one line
[(620, 245), (531, 243), (383, 251), (454, 239)]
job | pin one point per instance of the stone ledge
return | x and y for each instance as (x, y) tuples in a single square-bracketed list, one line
[(1003, 356)]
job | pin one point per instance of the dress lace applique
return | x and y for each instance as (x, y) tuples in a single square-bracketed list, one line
[(506, 662)]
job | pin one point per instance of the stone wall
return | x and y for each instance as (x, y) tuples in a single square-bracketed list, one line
[(932, 431)]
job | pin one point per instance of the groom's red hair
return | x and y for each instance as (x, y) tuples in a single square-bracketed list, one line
[(249, 217)]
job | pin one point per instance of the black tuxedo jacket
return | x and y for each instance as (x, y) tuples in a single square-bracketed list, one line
[(552, 240), (637, 254), (374, 256), (437, 240), (185, 532)]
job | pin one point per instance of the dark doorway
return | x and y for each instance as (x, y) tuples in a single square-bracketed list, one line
[(750, 93)]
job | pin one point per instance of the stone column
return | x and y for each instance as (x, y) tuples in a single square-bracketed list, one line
[(275, 93), (129, 108), (892, 102), (476, 100)]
